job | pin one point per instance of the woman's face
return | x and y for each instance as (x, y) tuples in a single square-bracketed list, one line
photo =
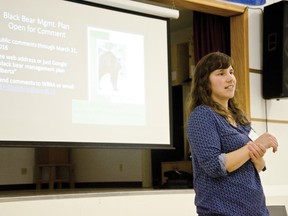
[(223, 85)]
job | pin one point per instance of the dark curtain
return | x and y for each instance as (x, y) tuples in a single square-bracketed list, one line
[(211, 33)]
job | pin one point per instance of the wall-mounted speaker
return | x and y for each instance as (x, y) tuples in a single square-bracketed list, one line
[(275, 51)]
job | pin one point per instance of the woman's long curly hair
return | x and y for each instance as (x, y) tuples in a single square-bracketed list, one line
[(200, 92)]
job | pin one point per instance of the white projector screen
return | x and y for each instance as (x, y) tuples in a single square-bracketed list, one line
[(75, 74)]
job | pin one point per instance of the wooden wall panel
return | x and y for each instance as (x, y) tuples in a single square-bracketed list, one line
[(240, 54), (206, 6)]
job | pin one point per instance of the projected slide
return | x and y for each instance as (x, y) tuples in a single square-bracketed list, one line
[(114, 70), (82, 74), (17, 56)]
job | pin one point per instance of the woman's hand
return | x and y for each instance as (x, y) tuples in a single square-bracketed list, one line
[(268, 141), (256, 153)]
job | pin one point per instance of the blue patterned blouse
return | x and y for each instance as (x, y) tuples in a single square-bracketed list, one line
[(218, 192)]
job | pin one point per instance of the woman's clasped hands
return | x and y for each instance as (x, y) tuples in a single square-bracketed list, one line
[(257, 149)]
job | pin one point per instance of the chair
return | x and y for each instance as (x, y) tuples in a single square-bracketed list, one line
[(53, 166)]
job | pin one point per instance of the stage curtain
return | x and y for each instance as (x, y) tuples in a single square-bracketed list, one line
[(210, 33)]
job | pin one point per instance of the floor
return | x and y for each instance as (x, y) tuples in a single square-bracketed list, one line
[(7, 196)]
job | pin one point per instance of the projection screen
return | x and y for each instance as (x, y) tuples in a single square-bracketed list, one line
[(83, 74)]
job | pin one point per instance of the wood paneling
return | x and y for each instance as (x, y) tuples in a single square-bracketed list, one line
[(240, 54), (215, 7)]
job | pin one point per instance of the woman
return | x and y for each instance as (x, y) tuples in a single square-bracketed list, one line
[(226, 153)]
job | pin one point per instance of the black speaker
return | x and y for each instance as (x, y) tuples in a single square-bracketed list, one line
[(275, 51)]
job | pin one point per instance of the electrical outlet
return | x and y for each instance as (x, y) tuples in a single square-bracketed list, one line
[(24, 171)]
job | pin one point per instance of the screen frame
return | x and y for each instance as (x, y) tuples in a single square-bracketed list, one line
[(18, 143)]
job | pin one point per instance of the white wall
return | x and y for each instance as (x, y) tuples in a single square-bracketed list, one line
[(107, 165), (275, 179), (12, 161), (91, 165)]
